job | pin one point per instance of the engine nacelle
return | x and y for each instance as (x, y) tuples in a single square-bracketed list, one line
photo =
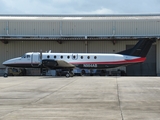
[(49, 63)]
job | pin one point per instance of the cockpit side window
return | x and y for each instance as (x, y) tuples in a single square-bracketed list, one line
[(28, 56), (24, 56)]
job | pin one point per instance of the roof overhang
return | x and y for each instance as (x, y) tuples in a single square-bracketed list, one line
[(73, 38)]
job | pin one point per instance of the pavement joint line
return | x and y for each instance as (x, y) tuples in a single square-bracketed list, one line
[(37, 100), (119, 101), (15, 85), (11, 112), (54, 91)]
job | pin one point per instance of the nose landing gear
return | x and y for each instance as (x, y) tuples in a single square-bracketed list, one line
[(6, 72), (70, 73)]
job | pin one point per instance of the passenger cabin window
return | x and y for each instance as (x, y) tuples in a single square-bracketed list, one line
[(68, 57), (55, 57), (74, 57), (95, 57), (61, 57), (88, 57), (81, 57), (48, 56)]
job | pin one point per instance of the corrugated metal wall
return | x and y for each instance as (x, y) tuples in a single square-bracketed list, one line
[(108, 46), (137, 27), (87, 27), (3, 25), (158, 57), (40, 27), (99, 27)]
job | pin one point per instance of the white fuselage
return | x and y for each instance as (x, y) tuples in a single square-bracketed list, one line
[(88, 60)]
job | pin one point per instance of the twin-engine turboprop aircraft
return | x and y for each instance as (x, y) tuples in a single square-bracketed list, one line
[(69, 61)]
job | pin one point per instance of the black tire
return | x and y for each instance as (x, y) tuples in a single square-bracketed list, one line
[(83, 72), (71, 73), (67, 75), (5, 75)]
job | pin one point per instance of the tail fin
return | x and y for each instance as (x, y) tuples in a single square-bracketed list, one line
[(140, 49)]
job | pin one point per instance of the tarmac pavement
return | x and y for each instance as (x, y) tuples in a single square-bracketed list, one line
[(80, 98)]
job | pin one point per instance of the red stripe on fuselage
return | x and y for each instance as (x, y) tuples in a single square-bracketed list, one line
[(137, 60)]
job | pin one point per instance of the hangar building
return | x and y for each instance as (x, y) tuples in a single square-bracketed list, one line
[(80, 33)]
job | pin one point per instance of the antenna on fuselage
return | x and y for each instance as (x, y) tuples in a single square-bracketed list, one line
[(49, 51)]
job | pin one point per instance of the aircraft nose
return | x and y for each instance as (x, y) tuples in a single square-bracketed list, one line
[(5, 63), (8, 62), (11, 62)]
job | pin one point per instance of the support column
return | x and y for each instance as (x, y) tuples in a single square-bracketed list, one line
[(86, 44)]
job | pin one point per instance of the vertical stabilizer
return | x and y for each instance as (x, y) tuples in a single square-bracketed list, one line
[(140, 49)]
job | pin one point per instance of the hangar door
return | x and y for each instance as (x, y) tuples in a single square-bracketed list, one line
[(148, 68)]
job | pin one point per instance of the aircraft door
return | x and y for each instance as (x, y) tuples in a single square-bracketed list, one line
[(35, 60), (74, 56)]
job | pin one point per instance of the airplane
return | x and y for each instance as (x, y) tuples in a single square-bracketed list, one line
[(69, 61)]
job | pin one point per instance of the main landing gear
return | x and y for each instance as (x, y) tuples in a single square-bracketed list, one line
[(83, 73), (70, 73)]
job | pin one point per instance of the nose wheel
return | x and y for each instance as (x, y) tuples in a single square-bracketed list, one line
[(69, 74), (5, 75), (6, 72)]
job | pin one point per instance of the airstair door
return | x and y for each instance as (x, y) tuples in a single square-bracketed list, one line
[(35, 61)]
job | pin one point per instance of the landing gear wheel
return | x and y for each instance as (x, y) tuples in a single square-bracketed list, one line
[(83, 72), (67, 75), (71, 73), (5, 75)]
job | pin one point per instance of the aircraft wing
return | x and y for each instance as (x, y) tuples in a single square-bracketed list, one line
[(62, 63), (52, 64)]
